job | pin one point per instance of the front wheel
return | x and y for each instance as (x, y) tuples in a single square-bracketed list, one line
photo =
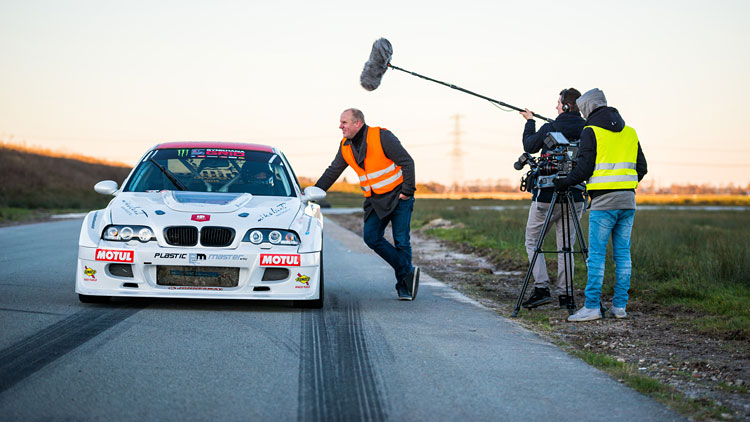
[(315, 303)]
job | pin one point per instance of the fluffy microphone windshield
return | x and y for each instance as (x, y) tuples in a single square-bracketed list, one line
[(377, 65)]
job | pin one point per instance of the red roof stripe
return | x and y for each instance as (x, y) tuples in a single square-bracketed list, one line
[(219, 145)]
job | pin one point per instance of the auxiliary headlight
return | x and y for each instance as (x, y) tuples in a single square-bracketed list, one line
[(124, 233), (274, 236)]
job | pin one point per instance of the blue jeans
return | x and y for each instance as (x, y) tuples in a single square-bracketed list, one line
[(398, 256), (602, 224)]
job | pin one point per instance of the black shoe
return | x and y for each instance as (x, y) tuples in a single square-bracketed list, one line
[(540, 297), (402, 291), (412, 282)]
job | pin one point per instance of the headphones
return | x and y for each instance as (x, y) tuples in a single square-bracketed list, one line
[(565, 106)]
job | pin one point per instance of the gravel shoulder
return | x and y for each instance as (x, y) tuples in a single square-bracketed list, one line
[(707, 369)]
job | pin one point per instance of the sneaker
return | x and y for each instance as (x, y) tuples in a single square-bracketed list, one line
[(618, 312), (538, 298), (585, 314), (414, 281), (402, 291)]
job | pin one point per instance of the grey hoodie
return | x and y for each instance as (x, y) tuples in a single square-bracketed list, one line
[(590, 101)]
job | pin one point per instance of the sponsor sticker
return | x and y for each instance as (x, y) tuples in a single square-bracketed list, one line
[(195, 257), (114, 255), (89, 274), (200, 217), (227, 257), (93, 220), (309, 223), (170, 255), (131, 208), (211, 153), (279, 260), (274, 211), (305, 280)]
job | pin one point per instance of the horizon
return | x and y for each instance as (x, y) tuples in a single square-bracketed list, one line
[(110, 81), (645, 188)]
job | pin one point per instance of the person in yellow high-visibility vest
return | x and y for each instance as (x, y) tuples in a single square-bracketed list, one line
[(386, 177), (610, 158)]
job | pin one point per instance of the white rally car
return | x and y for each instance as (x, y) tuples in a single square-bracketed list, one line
[(205, 220)]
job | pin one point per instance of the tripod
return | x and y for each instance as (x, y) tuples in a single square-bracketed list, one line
[(565, 199)]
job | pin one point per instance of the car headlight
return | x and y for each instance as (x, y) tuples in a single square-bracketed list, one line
[(274, 236), (123, 233)]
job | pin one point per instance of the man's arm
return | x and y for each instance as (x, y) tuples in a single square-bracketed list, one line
[(395, 151), (641, 167), (332, 173), (585, 161), (534, 140)]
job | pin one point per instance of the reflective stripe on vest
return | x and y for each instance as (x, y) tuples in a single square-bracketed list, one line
[(616, 155), (380, 175)]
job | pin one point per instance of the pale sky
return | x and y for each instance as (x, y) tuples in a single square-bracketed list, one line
[(110, 79)]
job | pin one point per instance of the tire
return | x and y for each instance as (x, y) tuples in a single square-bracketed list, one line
[(93, 299), (315, 303)]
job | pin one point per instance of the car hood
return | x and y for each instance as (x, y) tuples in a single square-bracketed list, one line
[(165, 208)]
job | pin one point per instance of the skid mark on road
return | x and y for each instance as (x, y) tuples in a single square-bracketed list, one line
[(36, 351), (337, 380)]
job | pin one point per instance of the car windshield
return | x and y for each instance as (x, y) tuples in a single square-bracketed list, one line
[(212, 170)]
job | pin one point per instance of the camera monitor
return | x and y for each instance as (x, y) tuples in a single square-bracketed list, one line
[(555, 139)]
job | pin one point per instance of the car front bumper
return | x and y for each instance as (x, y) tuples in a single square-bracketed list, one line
[(153, 271)]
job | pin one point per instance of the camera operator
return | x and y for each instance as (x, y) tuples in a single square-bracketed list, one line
[(610, 157), (570, 123)]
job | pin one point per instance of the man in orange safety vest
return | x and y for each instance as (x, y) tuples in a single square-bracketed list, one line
[(386, 177)]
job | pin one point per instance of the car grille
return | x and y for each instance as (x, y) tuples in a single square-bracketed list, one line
[(217, 236), (181, 235), (209, 236)]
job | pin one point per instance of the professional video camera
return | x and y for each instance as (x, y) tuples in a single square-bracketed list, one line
[(558, 161)]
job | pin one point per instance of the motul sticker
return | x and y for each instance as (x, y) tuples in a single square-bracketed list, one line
[(200, 217), (114, 256), (279, 260)]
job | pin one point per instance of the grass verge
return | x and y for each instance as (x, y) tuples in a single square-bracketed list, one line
[(699, 409)]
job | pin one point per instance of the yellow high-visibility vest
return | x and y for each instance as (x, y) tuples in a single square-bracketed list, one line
[(616, 155), (380, 175)]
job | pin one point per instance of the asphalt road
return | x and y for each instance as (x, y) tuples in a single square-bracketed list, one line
[(365, 356)]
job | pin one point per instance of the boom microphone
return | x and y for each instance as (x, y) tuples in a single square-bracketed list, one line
[(380, 58), (380, 61)]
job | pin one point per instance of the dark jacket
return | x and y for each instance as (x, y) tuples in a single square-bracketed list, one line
[(382, 204), (570, 124), (607, 118)]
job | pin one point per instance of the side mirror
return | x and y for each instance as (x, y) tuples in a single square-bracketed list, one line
[(106, 187), (313, 193)]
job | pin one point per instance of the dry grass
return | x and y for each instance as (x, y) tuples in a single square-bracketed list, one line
[(47, 152), (37, 181)]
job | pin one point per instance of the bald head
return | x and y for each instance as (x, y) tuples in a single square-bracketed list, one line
[(357, 114), (351, 122)]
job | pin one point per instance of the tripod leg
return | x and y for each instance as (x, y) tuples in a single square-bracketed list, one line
[(568, 301), (537, 250)]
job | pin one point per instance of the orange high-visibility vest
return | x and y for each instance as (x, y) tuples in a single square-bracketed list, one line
[(381, 174)]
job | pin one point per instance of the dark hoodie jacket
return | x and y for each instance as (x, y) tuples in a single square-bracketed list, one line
[(607, 118), (570, 124)]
